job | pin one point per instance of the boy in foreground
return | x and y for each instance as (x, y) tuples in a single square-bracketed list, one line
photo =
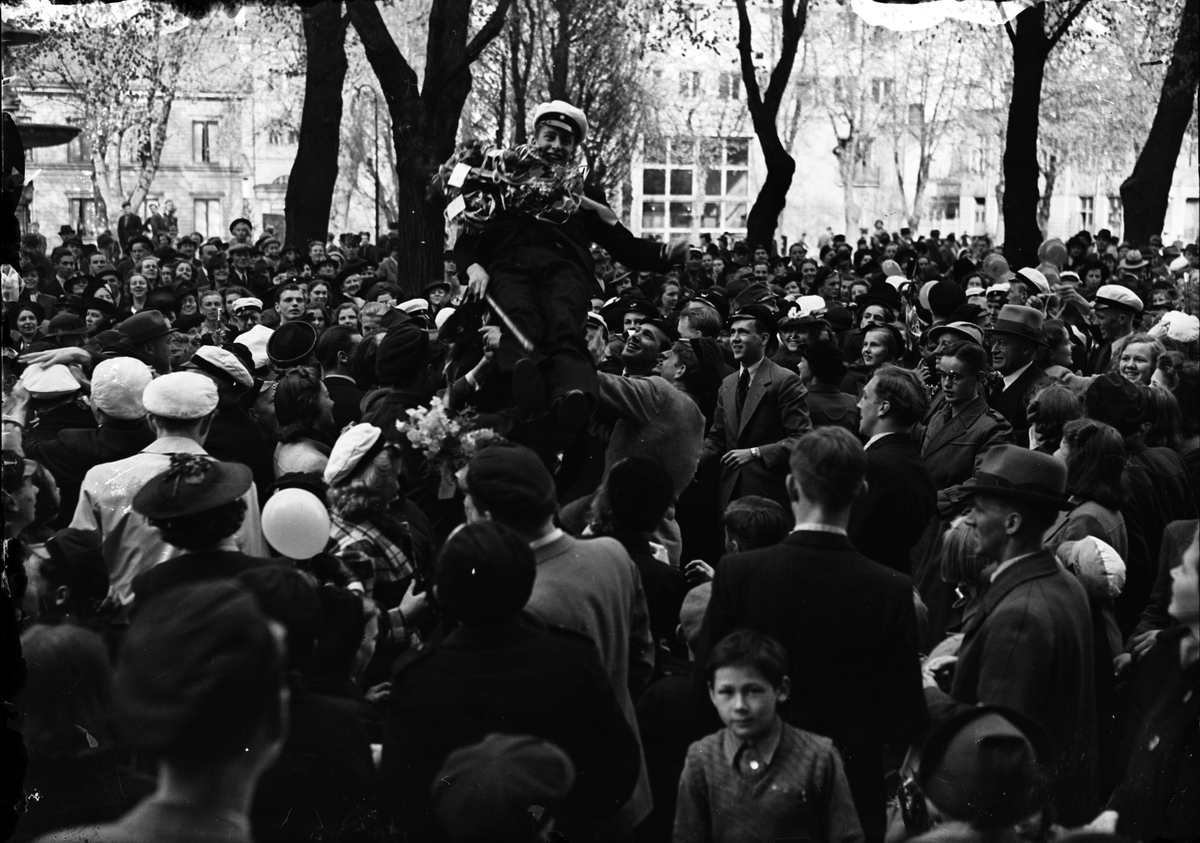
[(759, 778)]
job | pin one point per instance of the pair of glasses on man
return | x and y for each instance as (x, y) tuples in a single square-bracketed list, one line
[(952, 378)]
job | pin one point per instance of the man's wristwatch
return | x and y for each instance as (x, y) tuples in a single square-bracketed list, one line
[(754, 452)]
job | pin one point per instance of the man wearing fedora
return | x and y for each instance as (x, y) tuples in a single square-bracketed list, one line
[(1029, 644), (1114, 308), (1016, 337)]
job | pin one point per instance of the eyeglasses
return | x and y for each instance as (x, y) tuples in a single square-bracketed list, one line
[(952, 378)]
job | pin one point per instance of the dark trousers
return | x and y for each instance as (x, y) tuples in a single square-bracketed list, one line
[(546, 297)]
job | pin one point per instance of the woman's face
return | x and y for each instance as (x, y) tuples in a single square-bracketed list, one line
[(352, 285), (791, 288), (874, 350), (150, 270), (138, 285), (317, 317), (718, 266), (1185, 592), (1092, 278), (183, 271), (1137, 363), (104, 293), (230, 298), (347, 318), (1062, 352), (188, 306), (27, 323), (93, 318), (319, 294), (873, 315), (76, 287), (670, 298)]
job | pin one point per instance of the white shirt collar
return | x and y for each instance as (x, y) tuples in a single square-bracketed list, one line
[(876, 438), (1009, 380), (752, 369), (819, 528)]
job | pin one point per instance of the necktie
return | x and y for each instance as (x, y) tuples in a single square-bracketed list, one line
[(743, 387)]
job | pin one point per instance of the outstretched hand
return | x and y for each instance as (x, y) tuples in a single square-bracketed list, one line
[(477, 278), (66, 356), (677, 251)]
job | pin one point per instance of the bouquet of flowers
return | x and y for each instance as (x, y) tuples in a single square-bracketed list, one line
[(448, 441), (494, 184)]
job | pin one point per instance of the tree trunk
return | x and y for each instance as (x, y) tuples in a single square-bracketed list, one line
[(1145, 193), (1043, 216), (772, 198), (102, 190), (1030, 48), (314, 172)]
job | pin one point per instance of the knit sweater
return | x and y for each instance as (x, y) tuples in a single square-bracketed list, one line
[(798, 791)]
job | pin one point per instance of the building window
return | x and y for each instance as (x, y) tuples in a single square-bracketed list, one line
[(686, 184), (881, 90), (980, 210), (1087, 212), (689, 83), (729, 86), (83, 216), (1114, 215), (654, 181), (207, 217), (653, 215), (1191, 225), (204, 139), (79, 149)]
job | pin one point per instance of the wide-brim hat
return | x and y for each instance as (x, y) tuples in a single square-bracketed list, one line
[(435, 284), (1134, 260), (65, 325), (103, 305), (145, 326), (1019, 474), (1020, 321), (292, 343), (884, 294), (194, 483)]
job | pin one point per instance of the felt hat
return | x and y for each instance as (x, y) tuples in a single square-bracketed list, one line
[(144, 326), (216, 262), (355, 443), (240, 249), (1114, 295), (511, 480), (484, 791), (49, 381), (984, 766), (484, 574), (66, 325), (144, 240), (1116, 401), (32, 306), (256, 340), (758, 312), (884, 294), (1133, 260), (962, 330), (180, 395), (221, 364), (292, 343), (197, 663), (1020, 321), (117, 387), (437, 284), (193, 483), (839, 318), (1019, 474), (402, 351), (564, 116), (826, 361)]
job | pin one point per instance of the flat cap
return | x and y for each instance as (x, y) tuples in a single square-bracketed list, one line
[(510, 480), (118, 385), (180, 395)]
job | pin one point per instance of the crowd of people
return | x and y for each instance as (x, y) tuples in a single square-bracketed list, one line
[(595, 538)]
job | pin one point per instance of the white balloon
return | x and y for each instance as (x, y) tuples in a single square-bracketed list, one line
[(296, 523)]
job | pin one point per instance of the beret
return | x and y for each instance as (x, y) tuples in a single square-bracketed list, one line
[(691, 614), (256, 340), (511, 480), (246, 302), (484, 574), (1114, 295), (49, 381), (221, 364), (145, 326), (1116, 401), (563, 114), (198, 670), (180, 395), (117, 387), (1178, 326), (401, 353), (292, 343), (355, 443), (484, 792), (192, 484)]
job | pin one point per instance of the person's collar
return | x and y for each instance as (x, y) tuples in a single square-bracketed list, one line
[(339, 375), (753, 369), (820, 528), (174, 445), (550, 537), (765, 748), (1003, 566), (1011, 378), (880, 435)]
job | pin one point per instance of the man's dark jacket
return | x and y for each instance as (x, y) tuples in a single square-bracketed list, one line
[(900, 501), (1011, 402), (520, 679), (850, 630)]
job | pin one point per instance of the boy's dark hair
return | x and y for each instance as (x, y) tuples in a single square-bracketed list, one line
[(756, 522), (749, 648), (829, 464)]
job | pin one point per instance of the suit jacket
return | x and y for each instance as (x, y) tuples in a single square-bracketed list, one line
[(518, 679), (900, 501), (128, 227), (1010, 402), (774, 416), (347, 400), (850, 630), (1105, 354), (1029, 647), (953, 447)]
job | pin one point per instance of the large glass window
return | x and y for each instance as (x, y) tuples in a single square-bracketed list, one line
[(207, 217), (684, 181), (204, 138)]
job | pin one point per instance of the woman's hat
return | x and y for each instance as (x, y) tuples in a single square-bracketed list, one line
[(1020, 321), (1020, 474), (348, 452), (193, 483), (66, 325)]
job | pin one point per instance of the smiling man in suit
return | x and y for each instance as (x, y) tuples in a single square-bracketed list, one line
[(761, 411), (1016, 337), (847, 623)]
